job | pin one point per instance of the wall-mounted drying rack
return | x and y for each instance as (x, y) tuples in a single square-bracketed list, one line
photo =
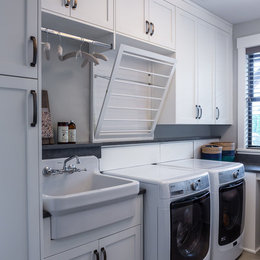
[(77, 38), (133, 96)]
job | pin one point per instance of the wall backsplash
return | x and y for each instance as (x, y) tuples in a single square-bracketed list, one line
[(68, 87)]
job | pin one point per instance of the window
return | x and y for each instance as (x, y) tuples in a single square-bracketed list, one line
[(253, 97), (248, 90)]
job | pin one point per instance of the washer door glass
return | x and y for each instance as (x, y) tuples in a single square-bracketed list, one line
[(190, 227), (230, 212)]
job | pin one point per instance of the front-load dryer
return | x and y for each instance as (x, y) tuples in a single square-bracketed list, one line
[(228, 191), (177, 220)]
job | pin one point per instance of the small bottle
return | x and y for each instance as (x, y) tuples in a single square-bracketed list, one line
[(72, 132), (63, 133)]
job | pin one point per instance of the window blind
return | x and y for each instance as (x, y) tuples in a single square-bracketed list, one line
[(253, 97)]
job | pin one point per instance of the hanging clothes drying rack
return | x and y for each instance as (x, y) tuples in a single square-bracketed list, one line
[(77, 38)]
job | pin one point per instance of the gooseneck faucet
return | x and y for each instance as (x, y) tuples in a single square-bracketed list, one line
[(69, 159), (47, 171)]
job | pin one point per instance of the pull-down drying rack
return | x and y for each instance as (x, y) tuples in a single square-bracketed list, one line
[(77, 38), (135, 95)]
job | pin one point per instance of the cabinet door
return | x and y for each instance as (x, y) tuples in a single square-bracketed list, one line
[(85, 252), (57, 6), (162, 17), (223, 78), (96, 12), (18, 19), (186, 68), (123, 245), (205, 65), (19, 185), (131, 17)]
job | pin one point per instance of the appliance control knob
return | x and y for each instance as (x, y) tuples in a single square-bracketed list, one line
[(235, 175), (194, 186)]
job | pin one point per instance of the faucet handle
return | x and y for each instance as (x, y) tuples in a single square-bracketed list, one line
[(47, 171)]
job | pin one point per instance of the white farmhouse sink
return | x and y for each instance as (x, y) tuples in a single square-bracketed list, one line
[(86, 200), (79, 191)]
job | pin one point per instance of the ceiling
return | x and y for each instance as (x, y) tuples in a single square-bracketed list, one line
[(233, 11)]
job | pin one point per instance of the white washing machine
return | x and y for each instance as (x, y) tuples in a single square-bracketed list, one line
[(176, 211), (228, 191)]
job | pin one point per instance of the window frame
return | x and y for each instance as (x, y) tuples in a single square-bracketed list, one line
[(242, 44)]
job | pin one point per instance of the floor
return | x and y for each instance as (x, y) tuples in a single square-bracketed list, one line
[(248, 256)]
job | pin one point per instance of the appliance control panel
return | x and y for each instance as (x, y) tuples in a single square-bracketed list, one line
[(231, 175), (189, 186)]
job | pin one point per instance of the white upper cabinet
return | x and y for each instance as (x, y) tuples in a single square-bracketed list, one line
[(205, 72), (57, 6), (150, 20), (131, 18), (180, 106), (223, 81), (18, 52), (162, 19), (99, 13), (201, 93)]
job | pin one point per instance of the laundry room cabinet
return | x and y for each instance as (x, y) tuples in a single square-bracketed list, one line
[(122, 245), (201, 91), (98, 13), (223, 79), (19, 186), (18, 30), (149, 20)]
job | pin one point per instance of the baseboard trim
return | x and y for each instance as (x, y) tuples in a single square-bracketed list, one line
[(252, 251)]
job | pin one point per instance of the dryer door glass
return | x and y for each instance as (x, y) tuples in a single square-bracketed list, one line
[(190, 227), (230, 212)]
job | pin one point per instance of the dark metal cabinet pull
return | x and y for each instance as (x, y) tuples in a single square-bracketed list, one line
[(34, 122), (151, 30), (103, 250), (75, 4), (197, 111), (147, 27), (67, 3), (33, 63), (97, 254), (200, 108), (218, 114)]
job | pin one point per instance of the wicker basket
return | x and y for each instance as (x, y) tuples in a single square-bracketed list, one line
[(228, 150), (211, 152)]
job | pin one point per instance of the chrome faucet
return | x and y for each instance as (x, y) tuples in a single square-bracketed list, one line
[(66, 169)]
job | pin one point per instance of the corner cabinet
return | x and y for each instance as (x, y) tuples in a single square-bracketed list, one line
[(97, 13), (149, 20), (19, 186), (201, 92)]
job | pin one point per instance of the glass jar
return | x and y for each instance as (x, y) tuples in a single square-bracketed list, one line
[(63, 132), (72, 132)]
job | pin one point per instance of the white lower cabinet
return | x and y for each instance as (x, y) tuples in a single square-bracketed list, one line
[(19, 185), (84, 252), (124, 245)]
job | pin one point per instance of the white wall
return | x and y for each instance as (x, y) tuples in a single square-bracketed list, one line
[(68, 87)]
